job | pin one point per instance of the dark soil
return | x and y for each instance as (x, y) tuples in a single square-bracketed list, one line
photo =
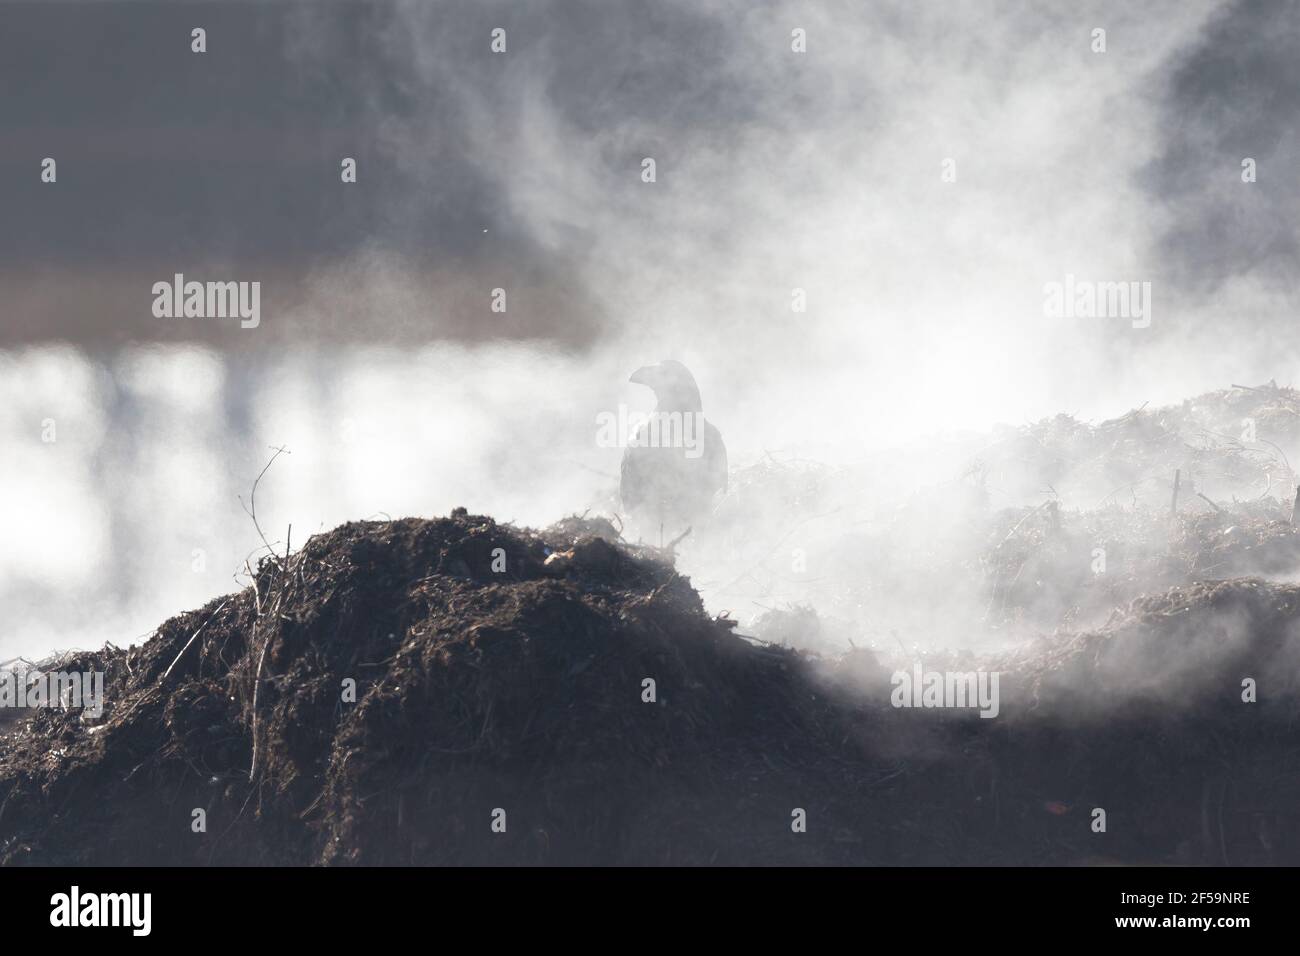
[(482, 689)]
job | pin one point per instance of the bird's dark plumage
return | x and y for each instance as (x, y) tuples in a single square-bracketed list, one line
[(673, 484)]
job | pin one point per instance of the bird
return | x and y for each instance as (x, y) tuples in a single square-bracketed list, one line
[(675, 462)]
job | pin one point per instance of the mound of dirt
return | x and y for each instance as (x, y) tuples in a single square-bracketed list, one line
[(1056, 567), (572, 682), (1232, 442), (458, 691)]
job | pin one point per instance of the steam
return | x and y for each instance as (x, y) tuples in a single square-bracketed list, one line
[(398, 391)]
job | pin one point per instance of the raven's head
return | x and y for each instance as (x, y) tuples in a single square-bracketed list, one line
[(673, 384)]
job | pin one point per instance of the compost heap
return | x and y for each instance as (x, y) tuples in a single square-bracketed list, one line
[(503, 715)]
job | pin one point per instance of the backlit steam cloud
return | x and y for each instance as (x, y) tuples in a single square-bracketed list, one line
[(912, 181)]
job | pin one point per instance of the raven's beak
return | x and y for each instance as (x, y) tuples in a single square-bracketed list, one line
[(643, 375)]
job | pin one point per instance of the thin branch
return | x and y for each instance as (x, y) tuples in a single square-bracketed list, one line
[(193, 637), (1210, 503), (251, 508)]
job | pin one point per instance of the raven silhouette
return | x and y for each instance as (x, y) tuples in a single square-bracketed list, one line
[(676, 461)]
